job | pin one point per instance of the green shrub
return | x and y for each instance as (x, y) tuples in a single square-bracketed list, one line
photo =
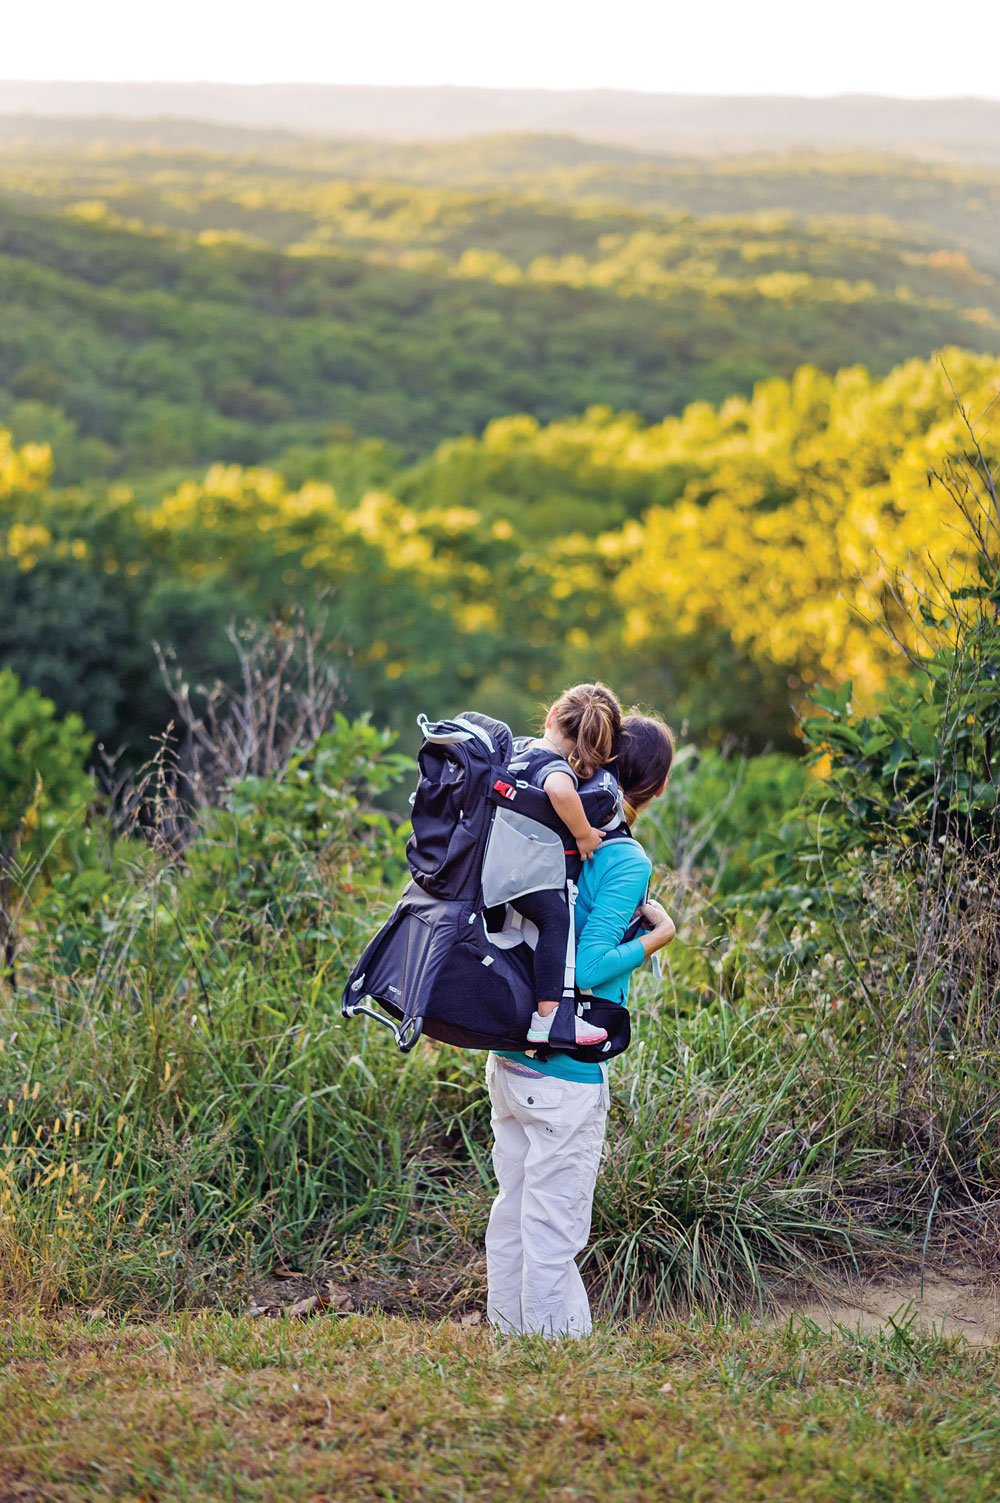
[(44, 791)]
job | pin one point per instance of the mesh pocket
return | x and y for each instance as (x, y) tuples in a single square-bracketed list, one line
[(522, 856)]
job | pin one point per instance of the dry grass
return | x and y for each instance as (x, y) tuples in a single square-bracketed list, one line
[(217, 1407)]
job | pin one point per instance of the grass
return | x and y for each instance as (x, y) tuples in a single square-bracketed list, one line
[(211, 1406)]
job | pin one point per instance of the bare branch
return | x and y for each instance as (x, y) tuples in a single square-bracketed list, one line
[(285, 696)]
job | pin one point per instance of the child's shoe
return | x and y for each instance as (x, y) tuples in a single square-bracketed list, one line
[(586, 1033)]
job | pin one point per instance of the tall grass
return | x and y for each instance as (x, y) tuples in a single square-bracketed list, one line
[(190, 1106)]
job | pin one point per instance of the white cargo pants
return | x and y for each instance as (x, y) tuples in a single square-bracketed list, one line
[(548, 1136)]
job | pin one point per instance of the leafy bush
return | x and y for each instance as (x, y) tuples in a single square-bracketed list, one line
[(43, 793), (723, 818)]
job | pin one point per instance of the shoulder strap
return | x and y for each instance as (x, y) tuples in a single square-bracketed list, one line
[(531, 752)]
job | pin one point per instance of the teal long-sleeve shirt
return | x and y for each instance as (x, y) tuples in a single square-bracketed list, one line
[(612, 885)]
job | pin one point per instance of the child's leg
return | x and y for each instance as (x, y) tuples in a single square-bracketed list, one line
[(549, 912)]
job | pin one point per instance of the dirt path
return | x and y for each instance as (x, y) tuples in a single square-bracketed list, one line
[(960, 1302)]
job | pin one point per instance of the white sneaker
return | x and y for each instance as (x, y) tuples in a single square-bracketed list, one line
[(586, 1033)]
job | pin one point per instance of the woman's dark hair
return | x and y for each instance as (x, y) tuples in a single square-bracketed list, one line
[(645, 757)]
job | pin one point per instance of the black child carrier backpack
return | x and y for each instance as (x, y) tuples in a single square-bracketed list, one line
[(453, 961)]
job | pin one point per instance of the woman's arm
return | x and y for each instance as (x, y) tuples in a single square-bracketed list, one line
[(600, 953)]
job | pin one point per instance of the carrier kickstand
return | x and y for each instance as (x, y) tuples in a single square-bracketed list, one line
[(406, 1034)]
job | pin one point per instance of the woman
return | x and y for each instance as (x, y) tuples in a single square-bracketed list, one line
[(549, 1118)]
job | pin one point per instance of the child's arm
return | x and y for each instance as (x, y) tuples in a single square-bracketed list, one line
[(565, 800)]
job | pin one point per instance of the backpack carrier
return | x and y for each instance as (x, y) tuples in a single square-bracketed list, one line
[(454, 960)]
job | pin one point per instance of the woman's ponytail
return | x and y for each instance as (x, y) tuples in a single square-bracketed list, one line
[(645, 757), (630, 811)]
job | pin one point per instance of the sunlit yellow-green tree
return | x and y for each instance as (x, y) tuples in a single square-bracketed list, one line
[(812, 507)]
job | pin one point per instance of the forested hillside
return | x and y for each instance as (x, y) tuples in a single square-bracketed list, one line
[(150, 169), (414, 315)]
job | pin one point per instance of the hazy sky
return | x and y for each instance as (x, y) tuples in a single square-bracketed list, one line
[(694, 46)]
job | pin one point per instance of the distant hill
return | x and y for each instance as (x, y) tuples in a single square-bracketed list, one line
[(271, 184), (952, 129)]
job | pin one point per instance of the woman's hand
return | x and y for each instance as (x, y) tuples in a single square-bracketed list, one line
[(653, 914), (660, 925)]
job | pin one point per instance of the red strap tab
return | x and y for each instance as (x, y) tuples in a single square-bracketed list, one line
[(505, 790)]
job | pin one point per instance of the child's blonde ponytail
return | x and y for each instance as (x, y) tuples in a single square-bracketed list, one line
[(591, 717)]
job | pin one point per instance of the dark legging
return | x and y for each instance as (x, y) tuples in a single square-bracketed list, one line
[(549, 912)]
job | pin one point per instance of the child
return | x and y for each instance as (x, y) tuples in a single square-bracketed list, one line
[(580, 736)]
